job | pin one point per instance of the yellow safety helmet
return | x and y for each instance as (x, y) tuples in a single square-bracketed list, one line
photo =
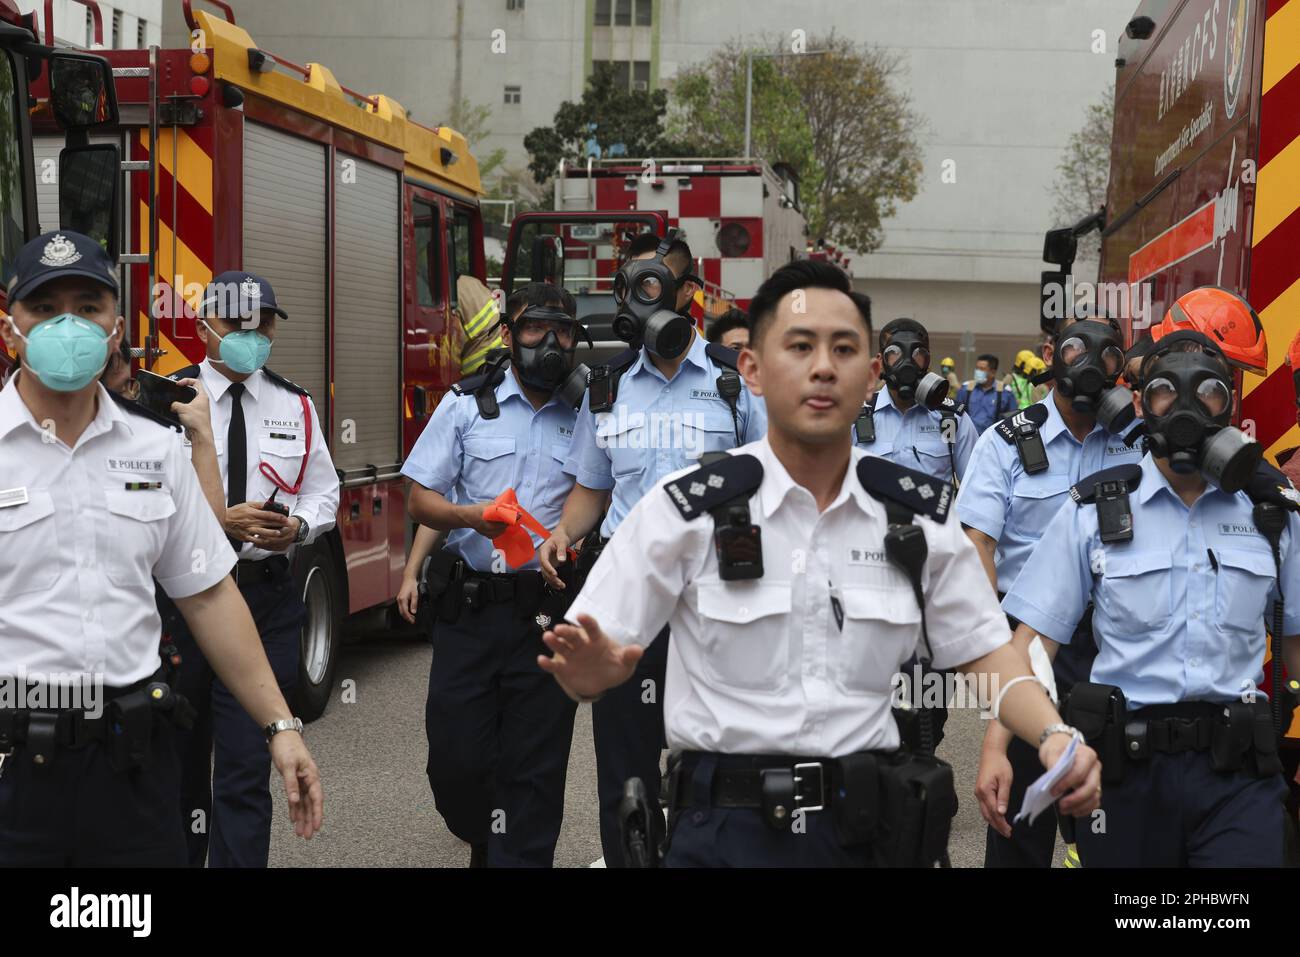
[(947, 363), (1025, 361)]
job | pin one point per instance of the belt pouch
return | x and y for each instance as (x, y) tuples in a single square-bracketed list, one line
[(130, 726), (855, 798)]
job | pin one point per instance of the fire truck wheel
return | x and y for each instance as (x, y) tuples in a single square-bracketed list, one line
[(322, 633)]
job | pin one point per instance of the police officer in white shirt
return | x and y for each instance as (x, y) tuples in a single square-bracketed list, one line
[(786, 645), (270, 449), (97, 502)]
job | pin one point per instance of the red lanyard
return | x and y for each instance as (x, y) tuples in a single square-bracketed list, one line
[(274, 476)]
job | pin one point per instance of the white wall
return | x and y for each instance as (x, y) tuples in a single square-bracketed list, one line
[(72, 29)]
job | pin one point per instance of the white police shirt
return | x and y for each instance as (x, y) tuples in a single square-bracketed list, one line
[(275, 434), (85, 531), (761, 667)]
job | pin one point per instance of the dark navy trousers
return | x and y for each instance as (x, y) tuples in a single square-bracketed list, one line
[(1175, 810), (77, 811), (499, 730), (225, 761), (628, 728)]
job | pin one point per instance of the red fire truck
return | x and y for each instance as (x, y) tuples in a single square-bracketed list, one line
[(740, 216), (1203, 183), (362, 220)]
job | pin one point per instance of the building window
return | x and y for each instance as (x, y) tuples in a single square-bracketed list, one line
[(514, 4), (117, 30), (602, 13), (512, 94), (628, 74), (644, 8), (90, 28), (141, 33), (623, 13)]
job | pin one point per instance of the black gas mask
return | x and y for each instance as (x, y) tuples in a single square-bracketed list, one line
[(1186, 407), (906, 361), (645, 298), (541, 358), (1087, 360)]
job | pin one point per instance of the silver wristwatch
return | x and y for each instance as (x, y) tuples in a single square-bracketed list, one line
[(303, 529), (284, 724), (1058, 728)]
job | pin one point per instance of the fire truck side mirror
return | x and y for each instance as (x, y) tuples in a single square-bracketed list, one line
[(548, 260), (88, 191), (82, 94), (1060, 246)]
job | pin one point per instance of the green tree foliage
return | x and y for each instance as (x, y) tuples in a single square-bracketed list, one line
[(837, 117), (632, 118)]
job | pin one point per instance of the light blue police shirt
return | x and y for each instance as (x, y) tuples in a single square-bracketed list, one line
[(915, 439), (468, 458), (1180, 610), (1000, 499), (656, 427)]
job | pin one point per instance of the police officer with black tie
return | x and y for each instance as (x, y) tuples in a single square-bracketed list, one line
[(97, 504), (281, 492)]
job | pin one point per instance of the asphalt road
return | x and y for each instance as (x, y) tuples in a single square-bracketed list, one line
[(378, 809)]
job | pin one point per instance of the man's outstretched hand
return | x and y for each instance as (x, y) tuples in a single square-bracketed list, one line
[(586, 662)]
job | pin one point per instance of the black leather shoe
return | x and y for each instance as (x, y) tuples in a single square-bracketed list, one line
[(478, 855)]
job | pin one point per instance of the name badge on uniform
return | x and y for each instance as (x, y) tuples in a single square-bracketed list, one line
[(137, 466), (10, 497)]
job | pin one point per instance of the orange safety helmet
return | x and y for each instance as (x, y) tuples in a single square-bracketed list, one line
[(1226, 320)]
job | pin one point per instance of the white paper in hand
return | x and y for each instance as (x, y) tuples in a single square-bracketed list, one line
[(1038, 798)]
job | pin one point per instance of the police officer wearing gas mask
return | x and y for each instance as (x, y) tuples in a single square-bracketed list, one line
[(498, 728), (1185, 557), (654, 409), (912, 421), (1019, 476), (282, 493)]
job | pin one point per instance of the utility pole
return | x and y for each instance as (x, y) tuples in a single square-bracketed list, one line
[(456, 78)]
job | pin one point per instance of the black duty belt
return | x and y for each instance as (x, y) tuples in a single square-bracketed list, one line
[(503, 588), (264, 572), (739, 779), (70, 728), (1174, 728)]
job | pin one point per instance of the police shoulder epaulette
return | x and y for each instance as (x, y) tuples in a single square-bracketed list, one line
[(470, 385), (915, 491), (285, 383), (951, 406), (1271, 485), (135, 408), (189, 372), (721, 355), (1085, 492), (714, 484), (1034, 415)]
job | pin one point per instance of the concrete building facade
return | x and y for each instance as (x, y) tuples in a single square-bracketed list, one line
[(127, 24), (1001, 84)]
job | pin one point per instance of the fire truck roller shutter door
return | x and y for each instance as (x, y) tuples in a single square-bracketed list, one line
[(367, 315), (284, 241)]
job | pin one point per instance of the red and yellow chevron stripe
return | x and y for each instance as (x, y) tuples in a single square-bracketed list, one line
[(185, 234), (1274, 263)]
